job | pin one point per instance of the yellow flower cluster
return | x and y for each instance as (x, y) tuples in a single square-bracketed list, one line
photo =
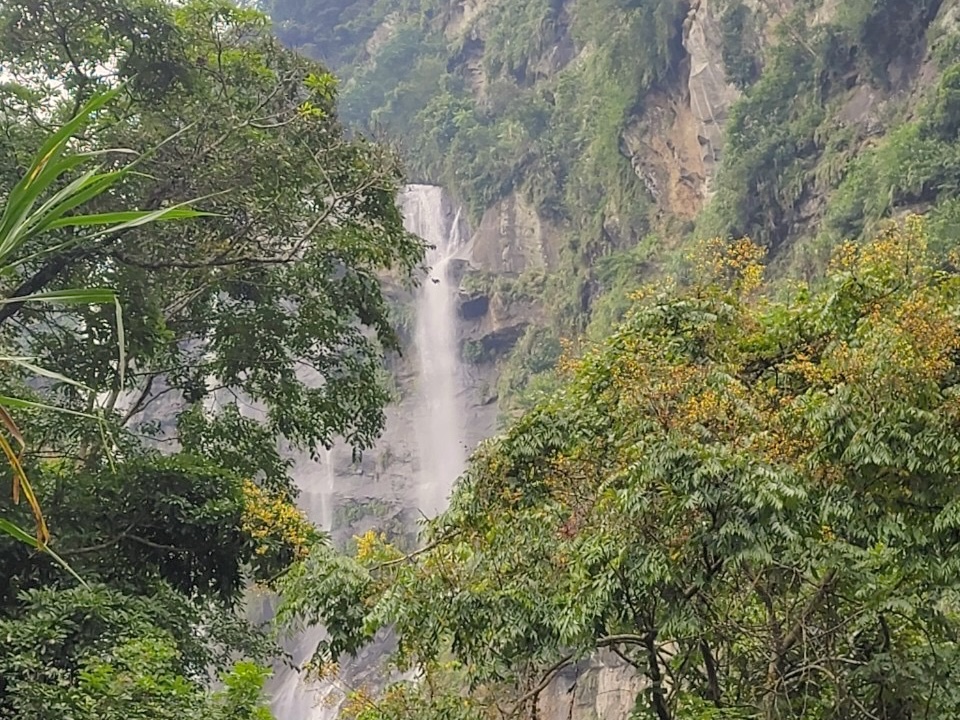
[(368, 543), (739, 261), (356, 703), (900, 247), (706, 407), (803, 366), (932, 334), (374, 546), (271, 520), (845, 257), (568, 362)]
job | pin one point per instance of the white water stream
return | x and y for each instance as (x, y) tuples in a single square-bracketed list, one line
[(440, 428), (433, 416)]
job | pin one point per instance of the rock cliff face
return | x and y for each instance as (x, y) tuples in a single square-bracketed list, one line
[(601, 688), (709, 94), (512, 237)]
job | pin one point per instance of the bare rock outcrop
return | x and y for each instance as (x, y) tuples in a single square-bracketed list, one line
[(512, 237), (711, 96)]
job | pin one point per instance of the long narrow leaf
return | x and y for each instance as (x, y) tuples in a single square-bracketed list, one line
[(116, 218), (109, 443), (6, 401), (7, 421), (47, 167), (38, 370), (77, 296), (16, 229), (18, 533), (121, 344), (60, 203), (20, 480), (28, 189), (84, 189), (11, 426), (152, 216), (63, 563), (79, 120)]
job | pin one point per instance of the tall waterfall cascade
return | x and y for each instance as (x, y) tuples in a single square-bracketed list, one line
[(429, 423), (440, 424)]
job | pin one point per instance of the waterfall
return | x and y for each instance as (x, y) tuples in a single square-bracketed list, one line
[(432, 418), (440, 424)]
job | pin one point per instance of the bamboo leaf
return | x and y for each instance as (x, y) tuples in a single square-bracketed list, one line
[(93, 186), (12, 428), (69, 197), (16, 230), (154, 216), (46, 168), (21, 481), (63, 563), (18, 533)]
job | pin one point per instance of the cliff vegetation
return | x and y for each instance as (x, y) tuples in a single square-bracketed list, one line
[(585, 130)]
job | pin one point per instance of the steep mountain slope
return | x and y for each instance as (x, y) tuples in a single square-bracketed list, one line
[(591, 140)]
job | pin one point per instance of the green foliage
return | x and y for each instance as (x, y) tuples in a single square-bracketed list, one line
[(473, 352), (94, 652), (943, 222), (946, 49), (25, 224), (241, 698), (332, 32), (739, 55), (752, 499), (917, 163), (786, 146), (617, 274), (529, 370), (770, 149), (943, 118), (213, 298), (518, 32), (162, 489), (885, 31)]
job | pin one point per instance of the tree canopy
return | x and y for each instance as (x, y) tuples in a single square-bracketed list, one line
[(160, 488), (749, 491)]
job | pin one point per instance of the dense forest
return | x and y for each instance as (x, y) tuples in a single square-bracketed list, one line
[(185, 222), (731, 429)]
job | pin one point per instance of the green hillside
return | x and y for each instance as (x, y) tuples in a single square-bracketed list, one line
[(822, 119)]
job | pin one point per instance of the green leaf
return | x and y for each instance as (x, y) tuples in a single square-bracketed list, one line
[(7, 401), (64, 564), (37, 370), (45, 169), (21, 535), (18, 533), (124, 218), (78, 296), (121, 344), (168, 213)]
